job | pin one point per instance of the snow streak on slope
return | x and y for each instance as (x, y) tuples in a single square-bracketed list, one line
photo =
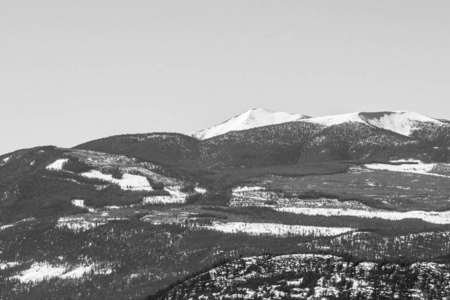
[(250, 119), (434, 217), (276, 229), (44, 270)]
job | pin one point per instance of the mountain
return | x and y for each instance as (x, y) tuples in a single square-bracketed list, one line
[(401, 122), (252, 118), (126, 216), (355, 136)]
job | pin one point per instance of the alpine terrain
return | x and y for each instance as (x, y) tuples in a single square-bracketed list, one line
[(266, 205)]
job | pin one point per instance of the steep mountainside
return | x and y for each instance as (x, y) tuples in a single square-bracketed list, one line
[(356, 141)]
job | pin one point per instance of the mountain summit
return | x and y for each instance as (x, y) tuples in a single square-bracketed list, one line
[(252, 118)]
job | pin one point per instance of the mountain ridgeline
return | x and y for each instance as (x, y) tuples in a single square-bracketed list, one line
[(363, 136)]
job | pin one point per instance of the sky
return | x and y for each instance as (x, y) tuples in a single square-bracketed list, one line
[(73, 71)]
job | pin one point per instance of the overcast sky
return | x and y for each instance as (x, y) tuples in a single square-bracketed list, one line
[(72, 71)]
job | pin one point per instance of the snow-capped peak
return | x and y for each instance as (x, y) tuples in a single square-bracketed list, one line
[(401, 122), (250, 119)]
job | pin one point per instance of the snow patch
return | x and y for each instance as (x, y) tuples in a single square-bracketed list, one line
[(5, 160), (127, 182), (80, 203), (6, 226), (7, 265), (163, 200), (57, 165), (176, 196), (78, 224), (112, 207), (200, 190), (241, 189), (409, 160), (39, 272)]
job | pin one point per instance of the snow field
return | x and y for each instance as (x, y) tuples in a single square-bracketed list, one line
[(402, 122), (420, 168), (276, 229), (431, 217)]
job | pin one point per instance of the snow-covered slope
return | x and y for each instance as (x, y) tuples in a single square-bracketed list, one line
[(250, 119), (336, 119), (401, 122)]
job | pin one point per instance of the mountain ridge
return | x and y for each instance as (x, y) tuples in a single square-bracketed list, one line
[(351, 136), (401, 121)]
